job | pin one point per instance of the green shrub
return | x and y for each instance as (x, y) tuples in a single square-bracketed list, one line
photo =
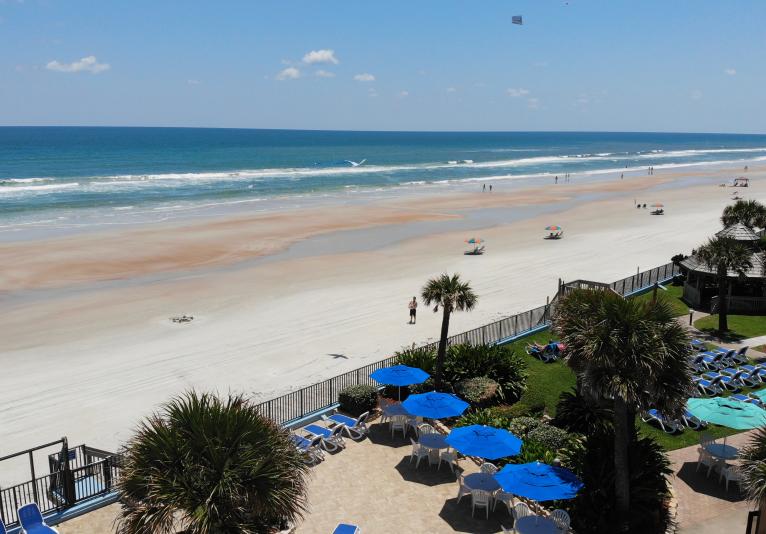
[(423, 387), (487, 416), (522, 426), (357, 399), (576, 413), (550, 437), (523, 408), (498, 363), (420, 357), (479, 391), (532, 451)]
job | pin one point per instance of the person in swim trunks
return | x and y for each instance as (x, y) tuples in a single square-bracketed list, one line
[(413, 305)]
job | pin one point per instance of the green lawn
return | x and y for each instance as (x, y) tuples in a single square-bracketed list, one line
[(672, 296), (740, 326)]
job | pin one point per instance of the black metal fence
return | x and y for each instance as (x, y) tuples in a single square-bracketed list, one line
[(310, 399)]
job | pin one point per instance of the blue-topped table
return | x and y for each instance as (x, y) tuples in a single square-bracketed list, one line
[(533, 524), (481, 481), (393, 410), (433, 441), (722, 451)]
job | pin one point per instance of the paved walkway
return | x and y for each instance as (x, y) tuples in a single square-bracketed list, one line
[(704, 505)]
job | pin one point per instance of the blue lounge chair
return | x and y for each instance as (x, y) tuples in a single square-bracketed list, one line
[(667, 425), (740, 356), (345, 528), (697, 344), (332, 439), (728, 355), (692, 421), (697, 363), (727, 382), (32, 520), (707, 388), (747, 398), (355, 428), (312, 448), (713, 360), (2, 527)]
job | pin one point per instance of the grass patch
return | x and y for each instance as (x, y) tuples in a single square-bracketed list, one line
[(546, 380), (672, 296), (760, 348), (687, 438), (740, 326)]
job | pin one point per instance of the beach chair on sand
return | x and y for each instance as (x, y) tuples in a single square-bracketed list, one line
[(310, 447), (32, 520), (345, 528), (667, 425), (355, 428), (477, 251), (332, 440)]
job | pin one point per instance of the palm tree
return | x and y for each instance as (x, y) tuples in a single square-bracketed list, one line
[(725, 254), (210, 466), (451, 294), (751, 213), (753, 469), (631, 353)]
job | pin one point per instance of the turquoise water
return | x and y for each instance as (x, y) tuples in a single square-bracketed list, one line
[(50, 174)]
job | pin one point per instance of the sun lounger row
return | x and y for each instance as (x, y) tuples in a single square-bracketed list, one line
[(671, 426), (713, 383), (715, 359), (329, 438)]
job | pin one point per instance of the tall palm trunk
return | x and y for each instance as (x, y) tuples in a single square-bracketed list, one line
[(762, 517), (723, 299), (621, 463), (442, 353)]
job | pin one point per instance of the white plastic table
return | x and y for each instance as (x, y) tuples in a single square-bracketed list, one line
[(533, 524), (433, 441), (481, 481), (722, 452)]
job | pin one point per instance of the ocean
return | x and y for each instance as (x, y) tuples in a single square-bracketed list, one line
[(87, 176)]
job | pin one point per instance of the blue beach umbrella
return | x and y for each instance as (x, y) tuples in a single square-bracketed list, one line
[(484, 442), (435, 405), (539, 482), (400, 375), (726, 412)]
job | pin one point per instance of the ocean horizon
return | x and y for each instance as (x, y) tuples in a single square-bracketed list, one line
[(62, 175)]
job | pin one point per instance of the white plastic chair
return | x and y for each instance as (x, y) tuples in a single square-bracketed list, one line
[(413, 423), (482, 499), (706, 459), (462, 488), (425, 428), (448, 456), (399, 422), (417, 452), (731, 473), (561, 519), (488, 468), (520, 510), (506, 498)]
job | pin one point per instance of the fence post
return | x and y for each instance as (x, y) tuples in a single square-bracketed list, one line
[(34, 478), (107, 474)]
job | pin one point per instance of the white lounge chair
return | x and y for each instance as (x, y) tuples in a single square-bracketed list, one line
[(355, 428), (332, 439)]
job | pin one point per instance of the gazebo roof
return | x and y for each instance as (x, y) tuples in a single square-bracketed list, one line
[(758, 259), (739, 232)]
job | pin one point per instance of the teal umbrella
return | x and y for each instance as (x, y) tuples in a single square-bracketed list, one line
[(727, 412)]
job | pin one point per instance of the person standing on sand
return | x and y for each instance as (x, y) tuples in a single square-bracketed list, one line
[(413, 310), (490, 188), (483, 187), (556, 180)]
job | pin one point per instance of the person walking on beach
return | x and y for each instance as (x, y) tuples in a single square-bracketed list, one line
[(556, 180), (483, 187), (413, 310), (490, 188)]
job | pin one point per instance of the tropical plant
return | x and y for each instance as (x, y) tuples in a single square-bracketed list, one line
[(487, 417), (452, 294), (595, 508), (533, 451), (576, 413), (478, 391), (521, 426), (209, 465), (678, 258), (751, 213), (420, 357), (358, 398), (725, 254), (551, 437), (753, 469), (632, 353), (500, 364)]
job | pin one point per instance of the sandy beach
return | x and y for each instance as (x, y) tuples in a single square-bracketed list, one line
[(281, 300)]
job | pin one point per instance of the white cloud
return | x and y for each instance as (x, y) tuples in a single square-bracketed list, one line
[(324, 74), (193, 82), (404, 94), (533, 103), (696, 94), (321, 56), (516, 93), (364, 77), (290, 73), (451, 90), (86, 64), (730, 71)]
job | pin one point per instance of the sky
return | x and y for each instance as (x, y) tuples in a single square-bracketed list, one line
[(584, 65)]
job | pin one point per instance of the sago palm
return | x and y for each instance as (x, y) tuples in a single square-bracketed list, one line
[(725, 254), (751, 213), (206, 465), (753, 469), (630, 352), (451, 294)]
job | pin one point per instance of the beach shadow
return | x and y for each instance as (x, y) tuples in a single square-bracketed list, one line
[(700, 483), (425, 474), (337, 356), (458, 517)]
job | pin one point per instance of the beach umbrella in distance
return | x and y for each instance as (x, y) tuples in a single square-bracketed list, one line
[(474, 241), (400, 375), (658, 205), (538, 481), (554, 228), (434, 405), (484, 442)]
